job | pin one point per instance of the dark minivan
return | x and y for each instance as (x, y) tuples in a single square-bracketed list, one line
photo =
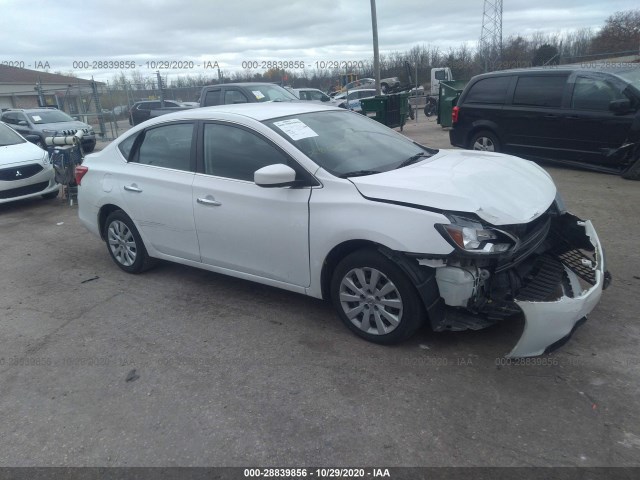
[(587, 117)]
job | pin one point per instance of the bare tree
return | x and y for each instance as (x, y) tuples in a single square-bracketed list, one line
[(620, 34)]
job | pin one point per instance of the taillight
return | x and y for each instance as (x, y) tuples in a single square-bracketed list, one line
[(454, 114), (81, 171)]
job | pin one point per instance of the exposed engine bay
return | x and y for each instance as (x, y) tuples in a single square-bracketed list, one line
[(553, 274)]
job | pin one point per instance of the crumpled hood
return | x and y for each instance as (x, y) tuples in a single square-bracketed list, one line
[(21, 153), (500, 189)]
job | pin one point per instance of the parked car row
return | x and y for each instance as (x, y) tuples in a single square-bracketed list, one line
[(572, 116), (47, 122), (25, 170)]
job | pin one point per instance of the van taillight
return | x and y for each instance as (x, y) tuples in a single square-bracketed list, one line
[(454, 114), (81, 171)]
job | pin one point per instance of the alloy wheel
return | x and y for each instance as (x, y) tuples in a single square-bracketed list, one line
[(122, 243), (371, 301)]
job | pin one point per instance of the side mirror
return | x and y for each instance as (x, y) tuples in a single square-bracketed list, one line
[(620, 106), (32, 138), (276, 175), (23, 123)]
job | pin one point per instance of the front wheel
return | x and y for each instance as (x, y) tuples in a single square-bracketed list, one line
[(125, 244), (375, 299), (485, 141)]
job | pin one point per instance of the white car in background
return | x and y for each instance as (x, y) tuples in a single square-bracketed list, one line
[(328, 203), (25, 170), (351, 100), (312, 95)]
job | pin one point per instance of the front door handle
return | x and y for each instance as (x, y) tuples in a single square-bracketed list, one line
[(209, 200), (132, 188)]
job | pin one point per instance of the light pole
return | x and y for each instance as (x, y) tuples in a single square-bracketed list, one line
[(376, 55)]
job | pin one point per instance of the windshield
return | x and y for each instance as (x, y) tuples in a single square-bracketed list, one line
[(346, 143), (271, 93), (49, 116), (8, 136)]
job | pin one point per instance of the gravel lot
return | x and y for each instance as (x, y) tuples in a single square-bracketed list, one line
[(233, 373)]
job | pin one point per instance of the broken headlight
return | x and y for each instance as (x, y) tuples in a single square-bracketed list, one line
[(474, 237)]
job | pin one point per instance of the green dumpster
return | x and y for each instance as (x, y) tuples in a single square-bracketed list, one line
[(390, 110), (449, 93)]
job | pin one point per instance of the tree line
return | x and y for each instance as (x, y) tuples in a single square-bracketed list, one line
[(619, 36)]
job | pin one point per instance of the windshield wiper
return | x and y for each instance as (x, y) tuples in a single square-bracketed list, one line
[(412, 159), (359, 173)]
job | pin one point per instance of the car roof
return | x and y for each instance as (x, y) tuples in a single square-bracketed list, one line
[(565, 69), (242, 84), (256, 111), (40, 109)]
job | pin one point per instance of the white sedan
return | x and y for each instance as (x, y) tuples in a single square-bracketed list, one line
[(25, 170), (328, 203)]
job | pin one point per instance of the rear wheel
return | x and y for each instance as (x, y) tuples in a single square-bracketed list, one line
[(485, 141), (375, 299), (125, 244)]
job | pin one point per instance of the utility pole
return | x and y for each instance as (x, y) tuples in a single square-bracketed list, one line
[(490, 44), (161, 88), (376, 54)]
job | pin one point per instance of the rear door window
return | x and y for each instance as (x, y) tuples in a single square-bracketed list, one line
[(539, 91), (167, 146), (489, 90)]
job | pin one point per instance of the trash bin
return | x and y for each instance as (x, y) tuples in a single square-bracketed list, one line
[(449, 93), (390, 110)]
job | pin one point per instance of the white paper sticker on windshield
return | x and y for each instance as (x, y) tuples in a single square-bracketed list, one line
[(36, 118), (258, 94), (295, 129)]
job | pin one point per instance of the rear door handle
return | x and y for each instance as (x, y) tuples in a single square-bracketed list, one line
[(209, 200), (551, 116), (132, 188)]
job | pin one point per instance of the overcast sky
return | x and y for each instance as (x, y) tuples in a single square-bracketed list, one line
[(232, 32)]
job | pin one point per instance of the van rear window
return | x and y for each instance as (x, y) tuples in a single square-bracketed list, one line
[(489, 90), (539, 91)]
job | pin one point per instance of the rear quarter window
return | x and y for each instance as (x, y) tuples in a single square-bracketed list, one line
[(539, 91), (489, 90)]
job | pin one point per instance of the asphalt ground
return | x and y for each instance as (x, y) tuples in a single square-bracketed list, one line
[(183, 367)]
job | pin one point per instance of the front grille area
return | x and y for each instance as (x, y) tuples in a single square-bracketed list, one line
[(19, 192), (542, 282), (531, 237), (580, 264), (20, 173), (72, 131)]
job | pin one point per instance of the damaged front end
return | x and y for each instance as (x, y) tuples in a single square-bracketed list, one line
[(551, 270)]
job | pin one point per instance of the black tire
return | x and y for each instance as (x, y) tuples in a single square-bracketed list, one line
[(118, 228), (429, 110), (89, 148), (633, 172), (50, 195), (392, 289), (486, 141)]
